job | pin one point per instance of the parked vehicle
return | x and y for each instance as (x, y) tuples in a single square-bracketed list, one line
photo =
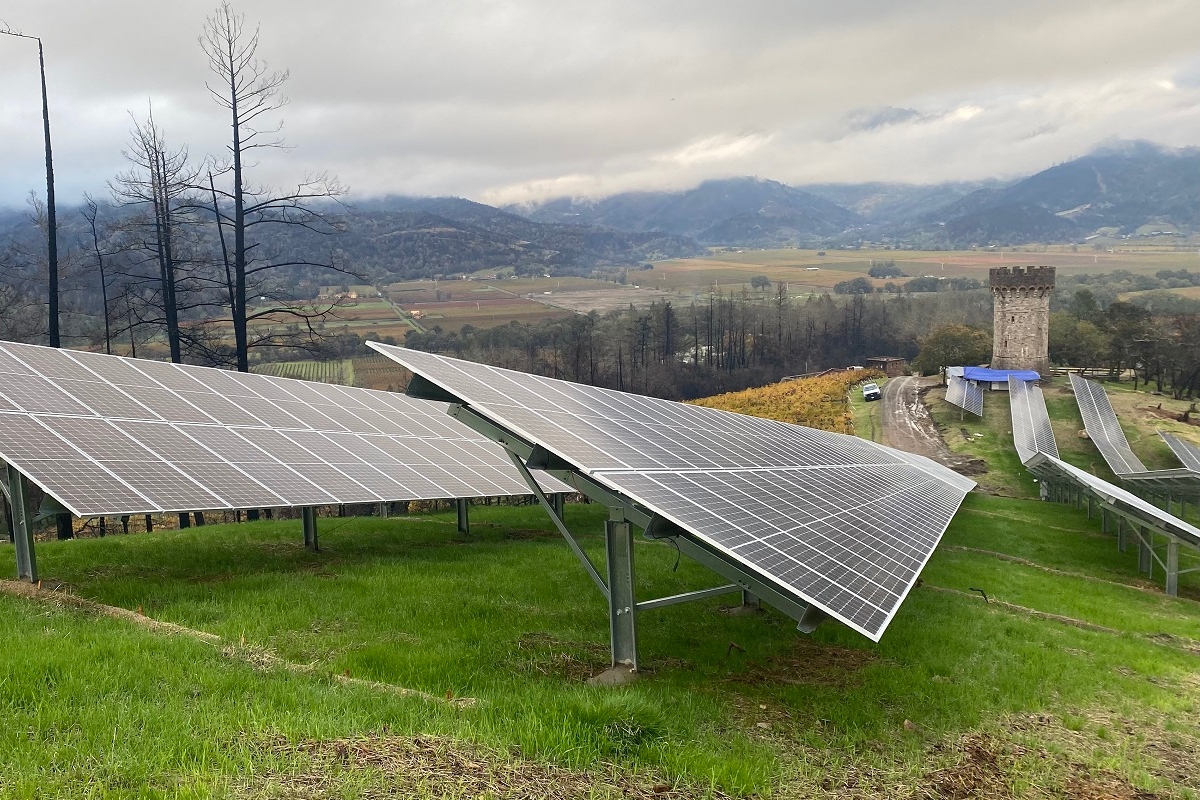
[(871, 392)]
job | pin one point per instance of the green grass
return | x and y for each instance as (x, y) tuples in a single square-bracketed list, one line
[(988, 439), (98, 707), (867, 421)]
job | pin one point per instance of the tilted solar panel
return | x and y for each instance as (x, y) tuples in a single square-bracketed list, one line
[(1186, 452), (109, 435), (1032, 431), (834, 521), (1050, 467), (1103, 428), (965, 394)]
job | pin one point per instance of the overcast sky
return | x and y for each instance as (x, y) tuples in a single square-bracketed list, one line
[(516, 101)]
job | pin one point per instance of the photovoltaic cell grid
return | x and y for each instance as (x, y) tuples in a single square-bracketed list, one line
[(109, 435), (1103, 428), (1186, 452), (832, 520), (1032, 432), (965, 394)]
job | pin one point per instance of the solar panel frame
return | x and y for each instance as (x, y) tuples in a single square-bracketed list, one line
[(648, 450), (1053, 467)]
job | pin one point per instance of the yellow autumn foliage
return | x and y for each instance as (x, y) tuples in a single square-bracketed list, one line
[(819, 402)]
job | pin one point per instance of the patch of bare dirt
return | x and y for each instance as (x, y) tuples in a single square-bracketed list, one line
[(1012, 762), (388, 766), (809, 663), (908, 426), (546, 654)]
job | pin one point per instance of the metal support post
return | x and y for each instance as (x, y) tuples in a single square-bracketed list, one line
[(1122, 535), (464, 519), (1091, 506), (750, 600), (308, 515), (558, 501), (1145, 564), (22, 530), (622, 619), (1103, 521), (1173, 568)]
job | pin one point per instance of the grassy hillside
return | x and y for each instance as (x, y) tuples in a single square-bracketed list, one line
[(404, 660)]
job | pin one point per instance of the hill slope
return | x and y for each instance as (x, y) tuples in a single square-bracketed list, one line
[(737, 211), (1128, 189)]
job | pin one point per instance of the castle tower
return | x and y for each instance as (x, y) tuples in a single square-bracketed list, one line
[(1021, 320)]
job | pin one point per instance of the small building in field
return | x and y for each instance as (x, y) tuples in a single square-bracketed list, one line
[(892, 366)]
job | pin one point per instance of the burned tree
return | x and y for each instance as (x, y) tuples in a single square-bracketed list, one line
[(251, 93), (156, 187)]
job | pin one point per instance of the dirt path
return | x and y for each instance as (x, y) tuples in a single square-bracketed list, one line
[(907, 425)]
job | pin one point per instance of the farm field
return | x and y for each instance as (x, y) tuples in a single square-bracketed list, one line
[(1190, 292), (367, 372), (733, 269), (489, 312), (471, 670)]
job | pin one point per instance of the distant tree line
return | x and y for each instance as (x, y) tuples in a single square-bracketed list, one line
[(727, 342), (1158, 344)]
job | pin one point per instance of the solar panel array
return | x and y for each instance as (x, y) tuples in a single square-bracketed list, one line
[(965, 394), (1186, 452), (1030, 420), (835, 521), (1051, 467), (1103, 428), (108, 435)]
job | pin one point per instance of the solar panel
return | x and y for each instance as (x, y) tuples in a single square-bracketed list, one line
[(109, 435), (965, 394), (1186, 452), (836, 522), (1032, 431), (1103, 428)]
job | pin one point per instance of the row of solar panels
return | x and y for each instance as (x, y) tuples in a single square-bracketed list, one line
[(104, 435), (1103, 428), (833, 521), (1034, 439)]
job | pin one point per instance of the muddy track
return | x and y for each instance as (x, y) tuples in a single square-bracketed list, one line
[(907, 425)]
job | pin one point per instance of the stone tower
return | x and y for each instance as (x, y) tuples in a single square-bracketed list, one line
[(1021, 320)]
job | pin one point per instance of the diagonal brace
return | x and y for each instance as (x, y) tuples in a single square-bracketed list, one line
[(558, 523)]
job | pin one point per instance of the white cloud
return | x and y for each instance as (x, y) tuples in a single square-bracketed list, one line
[(520, 100)]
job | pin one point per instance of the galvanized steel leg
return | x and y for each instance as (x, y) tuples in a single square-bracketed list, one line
[(22, 531), (308, 515), (558, 501), (464, 519), (1122, 534), (1103, 521), (750, 600), (1091, 506), (1173, 568), (622, 619), (1145, 562)]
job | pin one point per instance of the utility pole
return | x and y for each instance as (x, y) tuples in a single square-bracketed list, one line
[(52, 223), (62, 521)]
